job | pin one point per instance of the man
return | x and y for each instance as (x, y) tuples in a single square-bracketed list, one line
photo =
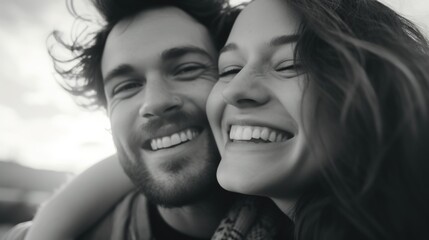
[(152, 67)]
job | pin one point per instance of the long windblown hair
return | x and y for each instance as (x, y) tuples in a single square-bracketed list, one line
[(370, 68), (80, 69)]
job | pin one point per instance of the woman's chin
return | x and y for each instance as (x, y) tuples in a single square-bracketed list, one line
[(237, 181)]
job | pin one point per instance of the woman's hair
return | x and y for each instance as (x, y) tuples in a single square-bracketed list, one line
[(370, 69), (80, 70)]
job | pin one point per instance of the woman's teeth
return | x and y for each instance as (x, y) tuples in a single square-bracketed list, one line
[(250, 133), (174, 139)]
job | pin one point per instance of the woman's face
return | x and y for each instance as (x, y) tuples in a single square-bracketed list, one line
[(261, 105)]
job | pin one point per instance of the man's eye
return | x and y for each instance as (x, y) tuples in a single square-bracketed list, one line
[(189, 70), (126, 87), (229, 71)]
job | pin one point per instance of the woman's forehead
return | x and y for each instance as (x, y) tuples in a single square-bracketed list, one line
[(265, 19)]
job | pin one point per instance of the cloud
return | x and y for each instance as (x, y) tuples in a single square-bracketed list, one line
[(415, 10), (40, 125), (62, 142)]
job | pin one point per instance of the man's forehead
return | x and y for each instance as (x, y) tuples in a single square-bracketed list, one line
[(148, 34), (159, 20)]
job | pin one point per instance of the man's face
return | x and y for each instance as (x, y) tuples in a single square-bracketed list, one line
[(158, 69)]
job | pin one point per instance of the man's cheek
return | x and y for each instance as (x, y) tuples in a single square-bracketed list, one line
[(211, 74), (122, 126)]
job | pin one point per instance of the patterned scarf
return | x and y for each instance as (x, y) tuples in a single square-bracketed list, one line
[(253, 218)]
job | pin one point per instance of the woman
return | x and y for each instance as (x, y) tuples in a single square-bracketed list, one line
[(323, 107)]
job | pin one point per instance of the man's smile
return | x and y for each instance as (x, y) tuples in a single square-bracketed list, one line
[(170, 131), (174, 139)]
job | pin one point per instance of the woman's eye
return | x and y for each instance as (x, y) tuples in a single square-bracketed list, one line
[(126, 86), (230, 71), (189, 70), (289, 69)]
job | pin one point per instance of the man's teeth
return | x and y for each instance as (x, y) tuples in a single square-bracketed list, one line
[(174, 139), (246, 133)]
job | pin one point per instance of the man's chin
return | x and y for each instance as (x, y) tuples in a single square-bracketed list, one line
[(174, 186), (181, 195), (175, 181)]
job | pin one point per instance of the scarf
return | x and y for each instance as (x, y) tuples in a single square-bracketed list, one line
[(253, 218)]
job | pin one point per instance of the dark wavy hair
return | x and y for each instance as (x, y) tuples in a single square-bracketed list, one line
[(370, 68), (80, 70)]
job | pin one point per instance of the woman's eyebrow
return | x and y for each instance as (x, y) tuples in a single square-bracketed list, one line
[(228, 47), (283, 39), (274, 42)]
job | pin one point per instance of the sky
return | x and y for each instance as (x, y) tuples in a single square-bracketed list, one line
[(40, 125)]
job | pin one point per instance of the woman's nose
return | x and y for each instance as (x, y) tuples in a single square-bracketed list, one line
[(246, 90)]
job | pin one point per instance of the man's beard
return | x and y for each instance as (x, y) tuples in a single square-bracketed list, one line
[(185, 190)]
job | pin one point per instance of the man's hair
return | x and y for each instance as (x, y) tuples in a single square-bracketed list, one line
[(370, 68), (80, 73)]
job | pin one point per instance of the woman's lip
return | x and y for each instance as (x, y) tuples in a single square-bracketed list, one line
[(290, 130), (257, 134), (256, 148)]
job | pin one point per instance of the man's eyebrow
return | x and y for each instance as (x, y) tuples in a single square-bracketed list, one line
[(177, 52), (228, 47), (120, 70), (283, 39)]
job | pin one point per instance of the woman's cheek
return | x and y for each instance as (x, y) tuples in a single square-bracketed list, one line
[(215, 109)]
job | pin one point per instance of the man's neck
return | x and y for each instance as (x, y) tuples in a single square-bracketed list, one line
[(197, 220)]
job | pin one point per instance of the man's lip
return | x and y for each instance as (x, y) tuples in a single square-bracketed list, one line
[(152, 131), (165, 132)]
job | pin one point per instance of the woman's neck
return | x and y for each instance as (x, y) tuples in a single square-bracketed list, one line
[(287, 206)]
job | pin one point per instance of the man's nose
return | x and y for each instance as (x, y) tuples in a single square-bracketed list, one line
[(159, 99), (246, 90)]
